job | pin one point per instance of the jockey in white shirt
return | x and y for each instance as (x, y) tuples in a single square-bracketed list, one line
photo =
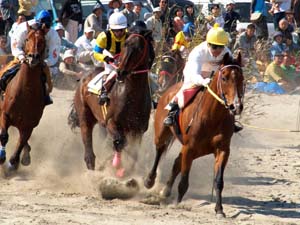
[(44, 20), (203, 59)]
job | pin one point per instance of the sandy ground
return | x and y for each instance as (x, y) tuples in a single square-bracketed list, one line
[(261, 179)]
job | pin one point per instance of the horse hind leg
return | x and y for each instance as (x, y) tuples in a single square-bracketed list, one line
[(219, 168)]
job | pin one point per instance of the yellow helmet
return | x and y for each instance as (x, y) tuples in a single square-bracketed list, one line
[(217, 36)]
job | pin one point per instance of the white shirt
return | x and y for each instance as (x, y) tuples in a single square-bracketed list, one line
[(83, 44), (201, 63), (52, 43)]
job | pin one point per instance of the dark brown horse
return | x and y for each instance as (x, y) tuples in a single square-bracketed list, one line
[(171, 69), (23, 103), (130, 103), (206, 126)]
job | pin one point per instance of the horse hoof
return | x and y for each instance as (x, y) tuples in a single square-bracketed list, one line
[(12, 167), (148, 183), (116, 160), (166, 192), (220, 215), (2, 160), (120, 172), (2, 156), (26, 160)]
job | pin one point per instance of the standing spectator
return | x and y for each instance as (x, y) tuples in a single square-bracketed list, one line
[(65, 44), (230, 17), (164, 11), (178, 22), (8, 10), (71, 17), (155, 25), (278, 10), (85, 49), (27, 7), (259, 6), (3, 45), (94, 20), (128, 11), (189, 15), (113, 4), (215, 17), (21, 18), (246, 41), (138, 16)]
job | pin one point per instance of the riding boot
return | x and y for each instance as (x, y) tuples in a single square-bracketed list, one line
[(103, 98), (170, 119)]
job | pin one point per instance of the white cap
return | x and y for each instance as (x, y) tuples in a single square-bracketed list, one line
[(127, 1), (68, 53), (59, 26), (88, 30), (117, 20), (157, 9)]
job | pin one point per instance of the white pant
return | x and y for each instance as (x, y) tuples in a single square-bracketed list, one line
[(71, 32)]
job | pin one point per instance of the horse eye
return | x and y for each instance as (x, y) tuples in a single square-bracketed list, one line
[(224, 79)]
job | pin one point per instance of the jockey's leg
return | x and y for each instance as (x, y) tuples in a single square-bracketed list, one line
[(8, 72), (173, 109), (106, 86), (48, 89)]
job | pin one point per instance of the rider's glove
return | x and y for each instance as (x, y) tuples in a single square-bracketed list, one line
[(108, 59)]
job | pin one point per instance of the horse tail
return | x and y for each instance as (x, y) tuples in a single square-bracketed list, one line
[(73, 119)]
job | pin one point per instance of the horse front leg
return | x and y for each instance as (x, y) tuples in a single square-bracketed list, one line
[(14, 160), (3, 136), (221, 159), (87, 139), (186, 164), (119, 142)]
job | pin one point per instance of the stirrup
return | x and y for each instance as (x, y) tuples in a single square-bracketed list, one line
[(169, 120), (48, 100), (103, 98)]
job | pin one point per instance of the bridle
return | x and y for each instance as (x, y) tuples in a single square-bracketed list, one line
[(222, 99), (166, 73), (35, 58)]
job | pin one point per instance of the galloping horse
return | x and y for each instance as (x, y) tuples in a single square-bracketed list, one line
[(171, 69), (130, 103), (206, 127), (23, 103)]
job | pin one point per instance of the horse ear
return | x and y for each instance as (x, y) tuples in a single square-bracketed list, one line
[(27, 25), (226, 58)]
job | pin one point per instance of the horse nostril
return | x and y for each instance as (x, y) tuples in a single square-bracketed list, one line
[(232, 107)]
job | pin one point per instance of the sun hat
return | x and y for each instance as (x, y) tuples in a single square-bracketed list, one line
[(68, 53), (59, 26)]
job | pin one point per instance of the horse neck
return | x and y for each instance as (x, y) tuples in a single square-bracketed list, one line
[(30, 75)]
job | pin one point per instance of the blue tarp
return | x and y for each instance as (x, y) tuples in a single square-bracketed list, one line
[(272, 87)]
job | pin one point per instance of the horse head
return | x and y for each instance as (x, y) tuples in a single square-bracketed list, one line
[(172, 65), (229, 81), (134, 57), (35, 45)]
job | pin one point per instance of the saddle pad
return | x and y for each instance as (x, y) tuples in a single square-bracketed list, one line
[(95, 85)]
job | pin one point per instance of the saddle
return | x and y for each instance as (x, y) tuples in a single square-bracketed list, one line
[(8, 76)]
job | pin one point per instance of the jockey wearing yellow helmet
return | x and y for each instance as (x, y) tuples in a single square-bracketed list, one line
[(203, 59)]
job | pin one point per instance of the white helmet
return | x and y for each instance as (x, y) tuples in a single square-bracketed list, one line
[(117, 20)]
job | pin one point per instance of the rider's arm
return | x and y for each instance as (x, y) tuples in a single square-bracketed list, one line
[(18, 41), (53, 47), (100, 46)]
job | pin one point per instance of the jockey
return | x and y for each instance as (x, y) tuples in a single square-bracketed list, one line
[(112, 41), (184, 37), (42, 20), (140, 27), (203, 59)]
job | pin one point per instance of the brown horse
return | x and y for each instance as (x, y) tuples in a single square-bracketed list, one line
[(206, 127), (171, 69), (23, 103), (130, 103)]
